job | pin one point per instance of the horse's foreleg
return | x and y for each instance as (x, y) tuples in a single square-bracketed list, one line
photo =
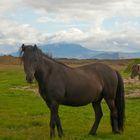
[(52, 122), (55, 121), (98, 116), (59, 127)]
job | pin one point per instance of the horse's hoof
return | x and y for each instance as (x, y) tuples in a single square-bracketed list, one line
[(92, 134), (117, 132), (52, 136), (60, 136)]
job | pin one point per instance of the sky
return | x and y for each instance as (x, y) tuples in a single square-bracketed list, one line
[(102, 25)]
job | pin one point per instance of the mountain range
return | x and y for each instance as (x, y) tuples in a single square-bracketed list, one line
[(70, 50)]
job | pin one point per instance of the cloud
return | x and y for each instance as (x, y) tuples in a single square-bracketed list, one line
[(9, 5), (13, 34), (90, 10), (54, 19), (123, 35), (122, 41), (70, 35), (95, 13)]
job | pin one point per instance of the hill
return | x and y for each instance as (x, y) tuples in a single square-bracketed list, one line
[(67, 50)]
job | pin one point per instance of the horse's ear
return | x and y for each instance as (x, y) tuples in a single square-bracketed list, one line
[(35, 47), (23, 47)]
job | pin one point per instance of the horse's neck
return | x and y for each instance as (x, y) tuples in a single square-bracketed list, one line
[(44, 69)]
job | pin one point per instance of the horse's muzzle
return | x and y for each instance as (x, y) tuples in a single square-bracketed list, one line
[(29, 79)]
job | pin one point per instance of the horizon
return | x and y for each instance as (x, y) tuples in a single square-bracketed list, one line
[(112, 26), (76, 51), (66, 43)]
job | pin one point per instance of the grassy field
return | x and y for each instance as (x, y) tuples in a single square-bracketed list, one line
[(25, 116)]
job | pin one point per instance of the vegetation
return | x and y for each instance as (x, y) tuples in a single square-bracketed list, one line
[(25, 116)]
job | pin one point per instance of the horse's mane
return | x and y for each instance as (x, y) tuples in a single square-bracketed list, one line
[(49, 56), (41, 53)]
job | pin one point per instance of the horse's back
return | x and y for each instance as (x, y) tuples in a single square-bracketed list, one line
[(99, 69), (105, 74)]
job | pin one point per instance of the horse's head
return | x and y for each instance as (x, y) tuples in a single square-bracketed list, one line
[(30, 60), (135, 70)]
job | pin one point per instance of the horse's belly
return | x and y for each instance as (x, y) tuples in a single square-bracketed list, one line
[(82, 92), (74, 103), (80, 99)]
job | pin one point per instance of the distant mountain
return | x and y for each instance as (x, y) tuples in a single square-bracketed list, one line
[(1, 54), (130, 55), (16, 54), (107, 55), (6, 49), (116, 55), (70, 50)]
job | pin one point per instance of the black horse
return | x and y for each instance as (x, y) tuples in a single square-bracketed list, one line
[(60, 84)]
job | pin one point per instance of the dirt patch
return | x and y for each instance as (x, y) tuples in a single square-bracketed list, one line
[(9, 60), (135, 81), (27, 88), (132, 87), (133, 95)]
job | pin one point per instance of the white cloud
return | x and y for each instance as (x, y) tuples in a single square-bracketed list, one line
[(93, 12), (89, 10), (9, 5), (14, 34), (102, 40), (54, 19), (70, 35)]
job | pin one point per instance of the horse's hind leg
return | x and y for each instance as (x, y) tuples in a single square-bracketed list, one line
[(98, 116), (113, 115)]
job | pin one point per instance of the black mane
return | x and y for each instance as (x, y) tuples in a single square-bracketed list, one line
[(39, 51)]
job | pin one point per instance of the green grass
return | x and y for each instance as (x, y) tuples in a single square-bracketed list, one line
[(25, 116)]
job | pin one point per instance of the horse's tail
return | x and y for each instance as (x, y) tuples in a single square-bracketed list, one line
[(120, 102)]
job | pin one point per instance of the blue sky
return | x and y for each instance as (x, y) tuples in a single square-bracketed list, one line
[(99, 25)]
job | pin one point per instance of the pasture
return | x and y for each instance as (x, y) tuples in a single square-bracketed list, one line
[(25, 116)]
